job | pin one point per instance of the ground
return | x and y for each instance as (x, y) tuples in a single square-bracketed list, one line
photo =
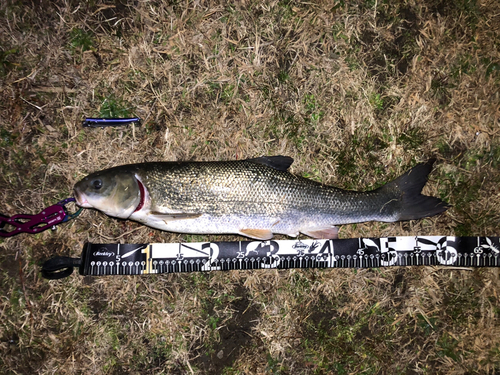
[(357, 92)]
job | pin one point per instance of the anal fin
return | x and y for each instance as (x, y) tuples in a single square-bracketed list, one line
[(322, 232), (258, 234)]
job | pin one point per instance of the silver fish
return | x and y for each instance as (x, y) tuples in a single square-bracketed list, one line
[(254, 198)]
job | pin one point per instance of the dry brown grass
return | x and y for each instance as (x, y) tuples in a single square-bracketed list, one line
[(355, 92)]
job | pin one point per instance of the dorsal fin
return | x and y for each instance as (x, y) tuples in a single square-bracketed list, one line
[(281, 163)]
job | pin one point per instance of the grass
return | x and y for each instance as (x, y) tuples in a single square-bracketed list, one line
[(114, 107), (80, 41), (5, 64), (356, 92)]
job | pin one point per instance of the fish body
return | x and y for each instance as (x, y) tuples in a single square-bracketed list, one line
[(255, 198)]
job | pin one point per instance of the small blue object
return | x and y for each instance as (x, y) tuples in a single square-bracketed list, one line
[(103, 122)]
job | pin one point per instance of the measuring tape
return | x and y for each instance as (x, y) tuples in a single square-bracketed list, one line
[(157, 258)]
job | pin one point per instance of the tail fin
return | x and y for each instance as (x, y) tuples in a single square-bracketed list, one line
[(414, 205)]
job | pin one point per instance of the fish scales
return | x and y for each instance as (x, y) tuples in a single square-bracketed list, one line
[(250, 188), (255, 197)]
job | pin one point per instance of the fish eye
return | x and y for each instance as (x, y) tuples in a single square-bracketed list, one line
[(97, 184)]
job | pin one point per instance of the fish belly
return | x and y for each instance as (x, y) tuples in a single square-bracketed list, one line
[(291, 224), (218, 224)]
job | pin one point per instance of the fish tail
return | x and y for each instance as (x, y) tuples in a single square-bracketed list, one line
[(412, 203)]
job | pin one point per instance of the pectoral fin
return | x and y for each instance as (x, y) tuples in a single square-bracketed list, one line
[(322, 232), (173, 216), (258, 234)]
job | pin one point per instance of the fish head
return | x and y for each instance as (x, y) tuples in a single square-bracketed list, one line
[(114, 192)]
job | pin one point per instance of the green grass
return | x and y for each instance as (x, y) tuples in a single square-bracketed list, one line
[(112, 106), (80, 41), (335, 343), (5, 60)]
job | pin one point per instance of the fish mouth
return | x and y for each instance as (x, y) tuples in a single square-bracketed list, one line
[(81, 200)]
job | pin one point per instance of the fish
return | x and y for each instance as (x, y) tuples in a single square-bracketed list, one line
[(255, 198)]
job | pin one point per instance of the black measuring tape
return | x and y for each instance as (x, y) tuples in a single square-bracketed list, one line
[(157, 258)]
